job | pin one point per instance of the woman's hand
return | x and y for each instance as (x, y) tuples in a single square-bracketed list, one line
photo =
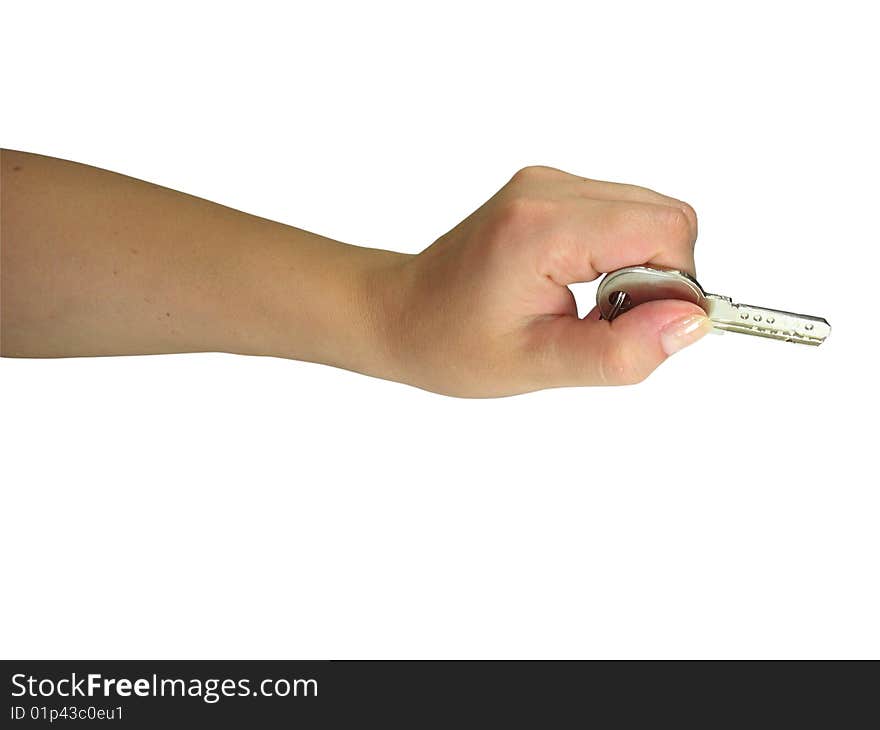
[(486, 310), (96, 263)]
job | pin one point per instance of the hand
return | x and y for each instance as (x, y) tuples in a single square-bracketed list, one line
[(486, 310)]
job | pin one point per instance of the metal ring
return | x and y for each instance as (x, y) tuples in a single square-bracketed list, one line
[(619, 299)]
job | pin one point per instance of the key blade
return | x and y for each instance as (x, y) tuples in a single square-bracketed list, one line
[(775, 324)]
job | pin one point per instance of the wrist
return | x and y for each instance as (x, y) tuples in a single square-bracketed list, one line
[(305, 297), (371, 320)]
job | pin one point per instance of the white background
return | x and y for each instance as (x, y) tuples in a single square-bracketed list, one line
[(206, 506)]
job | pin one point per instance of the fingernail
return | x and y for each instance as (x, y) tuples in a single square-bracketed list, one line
[(683, 332)]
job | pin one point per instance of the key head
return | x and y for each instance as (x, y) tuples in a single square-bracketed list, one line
[(645, 284)]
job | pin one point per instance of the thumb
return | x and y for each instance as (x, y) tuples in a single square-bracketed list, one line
[(592, 351)]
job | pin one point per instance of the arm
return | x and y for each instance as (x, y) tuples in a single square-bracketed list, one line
[(96, 263)]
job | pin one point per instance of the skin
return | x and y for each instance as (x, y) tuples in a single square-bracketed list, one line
[(97, 263)]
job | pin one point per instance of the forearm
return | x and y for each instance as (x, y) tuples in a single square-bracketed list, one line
[(96, 263)]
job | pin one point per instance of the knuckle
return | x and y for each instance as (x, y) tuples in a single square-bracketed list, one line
[(689, 211), (525, 212), (676, 220), (530, 173), (620, 366), (691, 216)]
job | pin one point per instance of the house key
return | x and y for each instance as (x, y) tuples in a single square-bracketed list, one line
[(624, 289)]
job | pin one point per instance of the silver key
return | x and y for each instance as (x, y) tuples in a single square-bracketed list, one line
[(624, 289)]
